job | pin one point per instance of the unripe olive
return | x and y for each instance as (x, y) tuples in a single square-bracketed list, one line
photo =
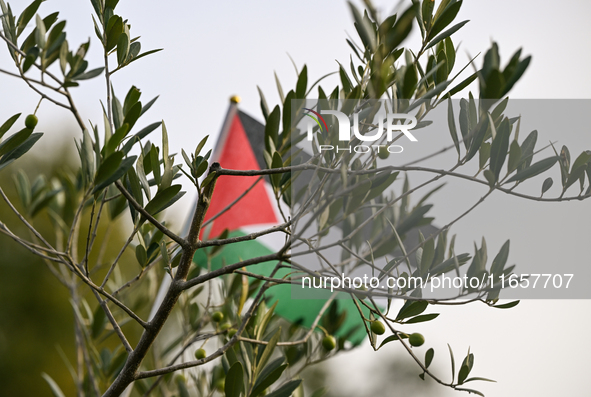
[(416, 339), (377, 327), (232, 332), (180, 378), (225, 326), (383, 152), (329, 342), (216, 317), (200, 354), (31, 121)]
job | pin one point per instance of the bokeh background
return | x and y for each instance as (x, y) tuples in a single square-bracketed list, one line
[(213, 50)]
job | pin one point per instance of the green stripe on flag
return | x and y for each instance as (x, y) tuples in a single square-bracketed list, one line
[(303, 311)]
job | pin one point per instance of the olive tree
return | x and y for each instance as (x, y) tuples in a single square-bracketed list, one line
[(225, 317)]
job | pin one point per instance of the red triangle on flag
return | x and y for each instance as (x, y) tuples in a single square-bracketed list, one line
[(255, 207)]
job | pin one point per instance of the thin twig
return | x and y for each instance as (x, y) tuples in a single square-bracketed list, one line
[(179, 240)]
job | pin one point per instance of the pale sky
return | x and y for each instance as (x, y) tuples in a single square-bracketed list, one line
[(216, 49)]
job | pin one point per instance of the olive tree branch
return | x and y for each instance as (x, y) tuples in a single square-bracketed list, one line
[(179, 240), (248, 237), (231, 342), (113, 322), (129, 240)]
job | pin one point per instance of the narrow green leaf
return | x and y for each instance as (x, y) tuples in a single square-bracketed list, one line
[(144, 54), (21, 149), (234, 385), (99, 322), (272, 127), (446, 34), (122, 48), (519, 70), (499, 147), (422, 318), (507, 305), (534, 169), (451, 121), (132, 115), (141, 173), (390, 339), (427, 13), (26, 16), (15, 141), (141, 255), (527, 150), (139, 136), (442, 20), (40, 32), (113, 168), (364, 28), (466, 368), (453, 363), (479, 378), (472, 391), (450, 52), (131, 98), (269, 349), (578, 168), (262, 325), (514, 157), (287, 389), (478, 137), (200, 146), (266, 380), (409, 84), (287, 119), (429, 357), (7, 124), (116, 139), (149, 105), (55, 389), (162, 199), (548, 182), (401, 28), (302, 83), (411, 309), (465, 83), (113, 30), (155, 164), (500, 260), (89, 75)]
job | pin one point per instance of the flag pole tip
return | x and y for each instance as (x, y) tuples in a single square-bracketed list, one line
[(235, 99)]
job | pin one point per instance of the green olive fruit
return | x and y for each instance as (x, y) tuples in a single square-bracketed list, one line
[(220, 384), (225, 326), (329, 342), (200, 354), (31, 121), (232, 332), (180, 378), (416, 339), (216, 317), (383, 152), (377, 327)]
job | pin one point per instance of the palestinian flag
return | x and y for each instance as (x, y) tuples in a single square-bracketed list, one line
[(240, 146)]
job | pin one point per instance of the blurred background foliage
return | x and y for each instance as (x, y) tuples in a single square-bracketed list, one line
[(36, 317)]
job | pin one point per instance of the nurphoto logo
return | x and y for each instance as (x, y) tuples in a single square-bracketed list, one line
[(387, 122)]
